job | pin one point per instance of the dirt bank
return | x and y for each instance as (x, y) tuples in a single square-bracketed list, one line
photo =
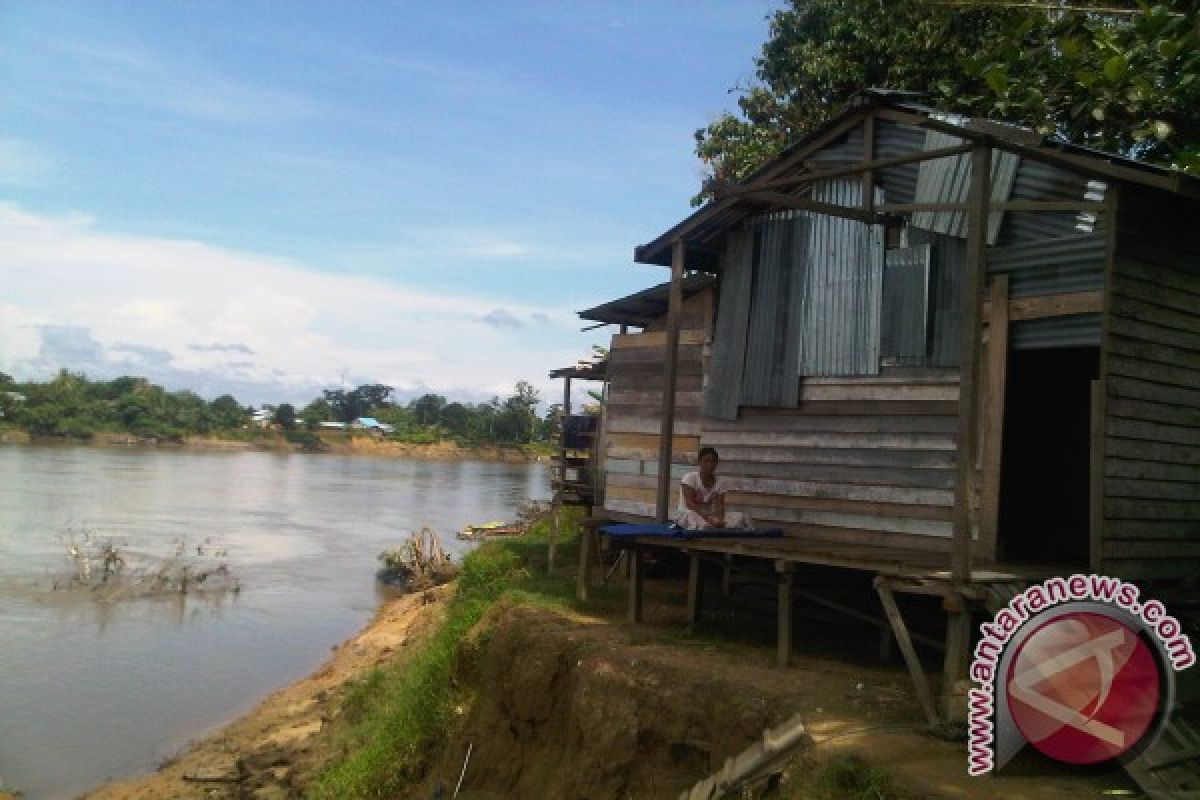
[(277, 749), (342, 445), (572, 706)]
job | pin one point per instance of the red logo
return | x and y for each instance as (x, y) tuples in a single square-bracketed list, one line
[(1083, 688)]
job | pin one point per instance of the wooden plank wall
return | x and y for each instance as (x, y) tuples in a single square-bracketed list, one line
[(1151, 481), (633, 417), (861, 460)]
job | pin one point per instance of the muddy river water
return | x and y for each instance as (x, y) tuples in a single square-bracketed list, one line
[(92, 690)]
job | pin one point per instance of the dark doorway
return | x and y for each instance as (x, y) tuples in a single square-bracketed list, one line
[(1044, 478)]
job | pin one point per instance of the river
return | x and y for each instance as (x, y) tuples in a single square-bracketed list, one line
[(91, 691)]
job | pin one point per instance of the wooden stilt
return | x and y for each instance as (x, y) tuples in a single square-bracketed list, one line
[(636, 568), (784, 634), (695, 590), (958, 641), (587, 535), (915, 670)]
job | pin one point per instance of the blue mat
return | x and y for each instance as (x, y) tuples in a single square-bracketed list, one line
[(672, 531)]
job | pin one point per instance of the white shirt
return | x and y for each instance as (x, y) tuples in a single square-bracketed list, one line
[(706, 495)]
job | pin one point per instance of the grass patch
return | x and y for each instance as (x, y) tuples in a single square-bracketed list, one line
[(849, 777), (397, 714)]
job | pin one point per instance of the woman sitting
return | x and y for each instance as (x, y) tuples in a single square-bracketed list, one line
[(702, 499)]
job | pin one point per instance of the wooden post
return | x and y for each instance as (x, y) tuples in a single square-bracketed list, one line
[(635, 565), (868, 177), (958, 643), (552, 546), (1096, 480), (993, 417), (959, 622), (1112, 197), (915, 670), (555, 506), (667, 429), (784, 633), (968, 369), (695, 589)]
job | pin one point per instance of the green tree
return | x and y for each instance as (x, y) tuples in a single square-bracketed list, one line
[(427, 407), (227, 413), (285, 416), (316, 412), (1117, 81)]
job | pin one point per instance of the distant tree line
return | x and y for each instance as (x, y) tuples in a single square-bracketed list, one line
[(72, 405)]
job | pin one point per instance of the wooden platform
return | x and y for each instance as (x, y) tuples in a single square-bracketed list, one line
[(895, 571)]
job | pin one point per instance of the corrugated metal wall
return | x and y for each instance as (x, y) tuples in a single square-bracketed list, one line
[(1038, 181), (843, 289), (1073, 263), (948, 263), (904, 335), (769, 377)]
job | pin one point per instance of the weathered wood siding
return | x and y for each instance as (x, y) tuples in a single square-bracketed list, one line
[(634, 416), (868, 460), (1151, 481)]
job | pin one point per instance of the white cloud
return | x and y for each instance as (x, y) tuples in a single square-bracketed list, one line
[(197, 316)]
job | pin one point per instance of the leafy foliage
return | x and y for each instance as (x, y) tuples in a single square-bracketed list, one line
[(71, 405), (1125, 79)]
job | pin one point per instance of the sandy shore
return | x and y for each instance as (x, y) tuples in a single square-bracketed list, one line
[(280, 746)]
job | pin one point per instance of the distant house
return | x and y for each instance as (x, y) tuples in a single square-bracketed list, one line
[(334, 426), (372, 426), (262, 418), (10, 400)]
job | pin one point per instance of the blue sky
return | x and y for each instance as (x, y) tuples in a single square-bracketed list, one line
[(268, 198)]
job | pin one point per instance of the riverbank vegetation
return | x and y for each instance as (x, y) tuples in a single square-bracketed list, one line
[(397, 714), (73, 406)]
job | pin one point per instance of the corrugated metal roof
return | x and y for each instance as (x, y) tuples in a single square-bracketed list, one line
[(948, 180), (895, 139), (645, 306), (704, 229), (1038, 181)]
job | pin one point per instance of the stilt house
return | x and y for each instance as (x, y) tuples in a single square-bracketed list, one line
[(922, 339)]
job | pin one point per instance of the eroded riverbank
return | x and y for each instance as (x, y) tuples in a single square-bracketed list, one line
[(338, 445)]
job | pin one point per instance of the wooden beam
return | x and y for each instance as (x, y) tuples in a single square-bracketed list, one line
[(915, 670), (798, 203), (1098, 441), (851, 169), (993, 416), (1056, 305), (968, 388), (671, 366), (1003, 205)]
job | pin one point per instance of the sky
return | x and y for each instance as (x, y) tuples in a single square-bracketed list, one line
[(272, 198)]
